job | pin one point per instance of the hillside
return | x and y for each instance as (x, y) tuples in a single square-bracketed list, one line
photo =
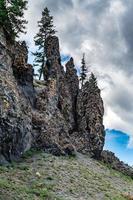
[(44, 176)]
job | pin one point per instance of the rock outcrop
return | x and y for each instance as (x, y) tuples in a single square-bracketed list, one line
[(15, 110), (53, 115), (70, 115), (90, 135), (111, 160), (72, 83)]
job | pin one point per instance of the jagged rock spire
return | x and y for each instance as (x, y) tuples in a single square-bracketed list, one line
[(90, 111), (53, 63)]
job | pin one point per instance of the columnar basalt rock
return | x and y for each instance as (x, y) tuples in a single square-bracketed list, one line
[(72, 82), (53, 116), (90, 136), (72, 79), (53, 66), (55, 71)]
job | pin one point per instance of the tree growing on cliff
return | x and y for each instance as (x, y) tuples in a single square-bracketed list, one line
[(46, 29), (83, 73), (93, 81), (12, 16)]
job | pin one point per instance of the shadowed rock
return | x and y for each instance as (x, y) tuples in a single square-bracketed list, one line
[(15, 111)]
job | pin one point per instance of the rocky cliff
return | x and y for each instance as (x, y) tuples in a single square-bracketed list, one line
[(53, 115), (15, 109)]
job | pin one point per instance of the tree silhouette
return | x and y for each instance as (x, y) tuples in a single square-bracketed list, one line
[(46, 29), (83, 73)]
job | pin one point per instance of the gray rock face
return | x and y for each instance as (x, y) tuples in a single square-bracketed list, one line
[(109, 158), (53, 116), (53, 68), (15, 112), (23, 72), (50, 130), (90, 136), (72, 82)]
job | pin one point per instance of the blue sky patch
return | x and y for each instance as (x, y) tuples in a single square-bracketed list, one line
[(117, 142)]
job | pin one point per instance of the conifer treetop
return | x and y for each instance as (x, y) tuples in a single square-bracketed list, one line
[(12, 16), (93, 81), (83, 73), (46, 29)]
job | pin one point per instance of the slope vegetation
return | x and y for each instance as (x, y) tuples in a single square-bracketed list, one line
[(41, 176)]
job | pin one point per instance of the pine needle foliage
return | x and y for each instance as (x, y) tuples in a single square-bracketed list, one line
[(46, 29), (83, 74), (12, 17)]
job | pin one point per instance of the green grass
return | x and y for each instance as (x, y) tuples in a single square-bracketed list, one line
[(60, 178)]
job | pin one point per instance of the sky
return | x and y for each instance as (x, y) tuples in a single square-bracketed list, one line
[(117, 142), (103, 30)]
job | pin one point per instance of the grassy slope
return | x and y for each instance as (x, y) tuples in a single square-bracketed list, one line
[(41, 176)]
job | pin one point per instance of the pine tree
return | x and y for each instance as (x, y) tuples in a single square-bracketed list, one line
[(12, 16), (83, 73), (4, 19), (46, 29), (93, 81)]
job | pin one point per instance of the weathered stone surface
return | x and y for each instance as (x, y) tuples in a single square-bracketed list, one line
[(72, 82), (53, 117), (90, 136), (53, 68), (15, 112), (109, 158), (23, 72), (50, 130)]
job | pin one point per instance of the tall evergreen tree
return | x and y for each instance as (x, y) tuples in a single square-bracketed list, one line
[(83, 73), (46, 28), (12, 16)]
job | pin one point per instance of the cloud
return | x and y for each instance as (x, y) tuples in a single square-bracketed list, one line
[(104, 31)]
